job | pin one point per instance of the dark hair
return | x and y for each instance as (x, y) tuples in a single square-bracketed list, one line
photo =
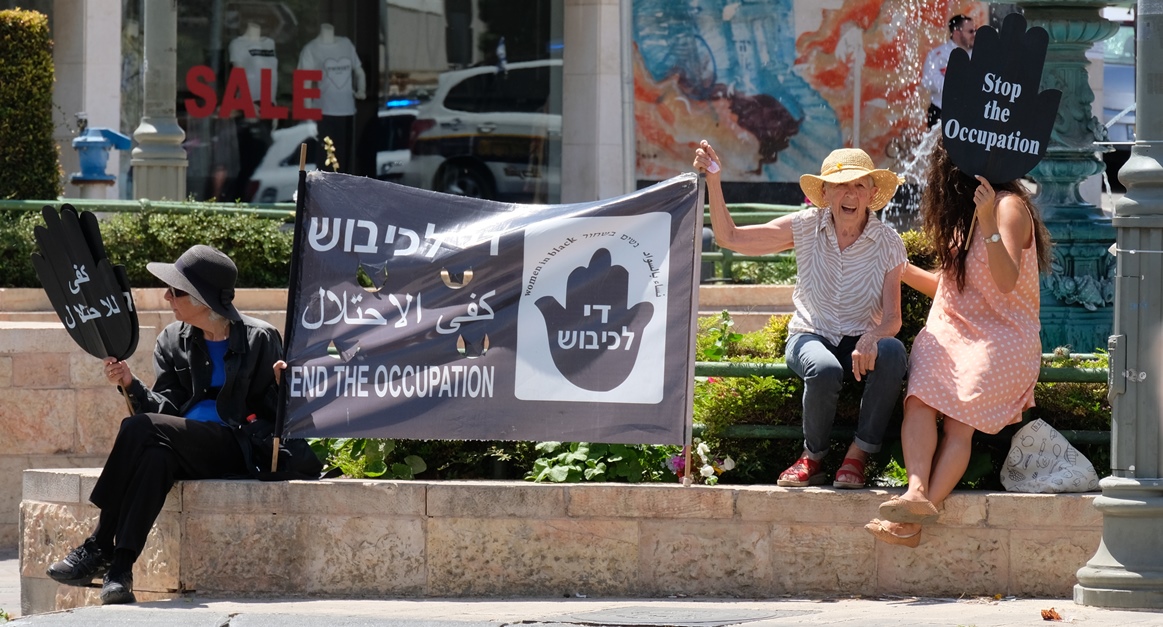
[(947, 210), (956, 21)]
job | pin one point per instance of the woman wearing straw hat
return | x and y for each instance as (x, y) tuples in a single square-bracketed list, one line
[(214, 373), (847, 300)]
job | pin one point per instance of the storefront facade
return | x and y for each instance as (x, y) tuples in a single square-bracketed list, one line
[(518, 100)]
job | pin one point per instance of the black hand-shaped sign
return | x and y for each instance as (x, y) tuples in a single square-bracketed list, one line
[(90, 295), (594, 338), (994, 120)]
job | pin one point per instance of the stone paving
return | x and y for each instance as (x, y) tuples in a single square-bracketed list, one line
[(872, 612)]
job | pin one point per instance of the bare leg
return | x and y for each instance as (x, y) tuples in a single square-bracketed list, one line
[(919, 440), (952, 459), (855, 452)]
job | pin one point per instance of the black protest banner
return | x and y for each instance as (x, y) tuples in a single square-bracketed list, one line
[(427, 316), (90, 295), (994, 121)]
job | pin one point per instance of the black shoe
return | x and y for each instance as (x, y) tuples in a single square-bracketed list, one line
[(118, 588), (81, 565)]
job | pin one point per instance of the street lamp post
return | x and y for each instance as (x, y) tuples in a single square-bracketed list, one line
[(159, 161), (1127, 569)]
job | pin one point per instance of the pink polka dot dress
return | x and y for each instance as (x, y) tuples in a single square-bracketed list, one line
[(977, 359)]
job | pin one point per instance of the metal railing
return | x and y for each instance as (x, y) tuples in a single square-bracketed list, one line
[(282, 210)]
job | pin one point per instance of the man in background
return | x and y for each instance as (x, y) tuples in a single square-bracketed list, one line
[(961, 35)]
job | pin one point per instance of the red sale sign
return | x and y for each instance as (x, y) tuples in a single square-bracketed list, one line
[(200, 81)]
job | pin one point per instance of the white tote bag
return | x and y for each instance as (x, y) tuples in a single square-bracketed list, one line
[(1042, 461)]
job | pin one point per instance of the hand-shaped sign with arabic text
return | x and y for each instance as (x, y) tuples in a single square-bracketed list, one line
[(90, 295), (994, 121)]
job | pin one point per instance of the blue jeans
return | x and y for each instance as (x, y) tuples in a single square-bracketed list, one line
[(824, 367)]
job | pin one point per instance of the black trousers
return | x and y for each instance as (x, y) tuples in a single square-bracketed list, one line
[(150, 453)]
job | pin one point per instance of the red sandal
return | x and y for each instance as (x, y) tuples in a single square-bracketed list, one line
[(805, 472), (850, 475)]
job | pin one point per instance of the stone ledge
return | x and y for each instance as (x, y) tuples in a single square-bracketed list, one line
[(354, 538)]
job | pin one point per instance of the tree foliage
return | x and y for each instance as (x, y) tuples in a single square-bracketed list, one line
[(29, 157)]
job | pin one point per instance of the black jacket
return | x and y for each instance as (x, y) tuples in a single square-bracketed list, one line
[(183, 369)]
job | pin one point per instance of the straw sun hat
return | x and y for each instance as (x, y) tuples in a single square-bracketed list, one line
[(849, 164)]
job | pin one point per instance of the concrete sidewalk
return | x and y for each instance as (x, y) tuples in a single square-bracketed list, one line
[(885, 612), (849, 612)]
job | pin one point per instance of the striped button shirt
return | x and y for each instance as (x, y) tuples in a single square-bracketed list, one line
[(839, 293)]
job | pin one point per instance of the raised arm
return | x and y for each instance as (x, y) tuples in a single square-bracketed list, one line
[(760, 239), (1009, 217), (923, 281)]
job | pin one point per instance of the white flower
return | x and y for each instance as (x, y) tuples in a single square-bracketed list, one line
[(728, 464), (707, 471)]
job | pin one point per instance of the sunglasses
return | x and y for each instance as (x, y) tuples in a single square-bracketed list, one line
[(176, 293)]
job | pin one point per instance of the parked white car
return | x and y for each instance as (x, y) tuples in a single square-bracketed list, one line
[(393, 132), (490, 133), (277, 176)]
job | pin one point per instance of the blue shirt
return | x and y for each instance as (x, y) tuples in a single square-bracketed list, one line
[(207, 410)]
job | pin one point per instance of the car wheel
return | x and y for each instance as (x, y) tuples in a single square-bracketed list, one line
[(462, 179)]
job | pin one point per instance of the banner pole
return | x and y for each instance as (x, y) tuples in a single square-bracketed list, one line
[(292, 304), (696, 270), (128, 404)]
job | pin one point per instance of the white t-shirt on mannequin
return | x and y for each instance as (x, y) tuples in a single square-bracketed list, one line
[(254, 53), (336, 57)]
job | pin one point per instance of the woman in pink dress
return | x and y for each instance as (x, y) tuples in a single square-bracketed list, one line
[(976, 361)]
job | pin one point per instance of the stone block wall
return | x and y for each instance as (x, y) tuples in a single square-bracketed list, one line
[(355, 538), (56, 408)]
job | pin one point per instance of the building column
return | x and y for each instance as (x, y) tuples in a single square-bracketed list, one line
[(159, 161), (593, 128), (86, 55)]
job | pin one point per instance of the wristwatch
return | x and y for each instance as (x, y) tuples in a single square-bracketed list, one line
[(993, 239)]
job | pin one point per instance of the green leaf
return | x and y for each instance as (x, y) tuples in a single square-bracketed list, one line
[(416, 464), (402, 471), (596, 473), (375, 468), (558, 474)]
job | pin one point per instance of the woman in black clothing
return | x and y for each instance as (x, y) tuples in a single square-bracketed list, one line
[(215, 382)]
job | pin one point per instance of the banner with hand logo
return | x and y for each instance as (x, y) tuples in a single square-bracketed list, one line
[(427, 316)]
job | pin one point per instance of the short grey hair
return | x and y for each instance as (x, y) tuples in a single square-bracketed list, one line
[(214, 315)]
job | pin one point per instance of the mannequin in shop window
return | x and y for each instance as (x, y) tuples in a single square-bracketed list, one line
[(255, 54), (343, 83)]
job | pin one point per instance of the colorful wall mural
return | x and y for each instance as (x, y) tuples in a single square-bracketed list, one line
[(775, 85)]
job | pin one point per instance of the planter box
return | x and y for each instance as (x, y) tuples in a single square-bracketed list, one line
[(352, 538)]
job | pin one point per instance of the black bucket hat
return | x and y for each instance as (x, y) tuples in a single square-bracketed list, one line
[(205, 272)]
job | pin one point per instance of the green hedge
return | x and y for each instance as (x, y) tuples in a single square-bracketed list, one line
[(29, 160), (260, 247), (723, 402)]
